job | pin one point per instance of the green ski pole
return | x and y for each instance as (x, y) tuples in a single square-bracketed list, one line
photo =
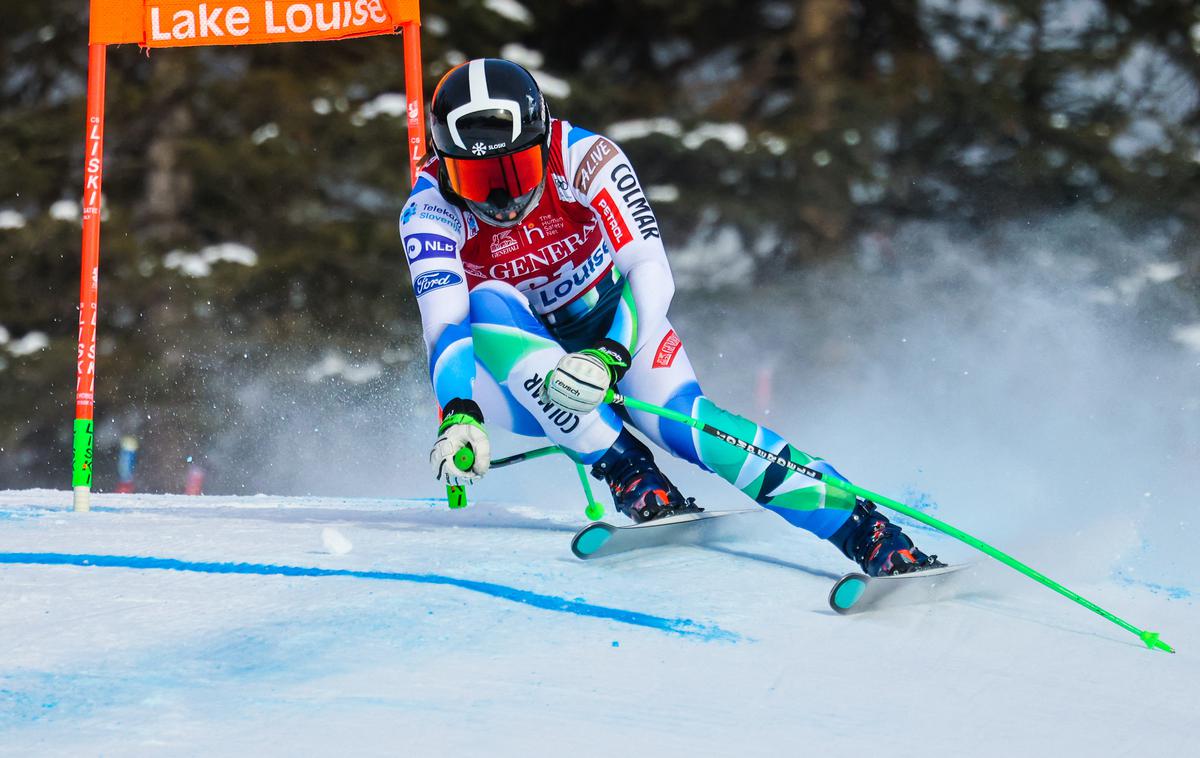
[(594, 510), (465, 458), (1151, 639), (528, 455)]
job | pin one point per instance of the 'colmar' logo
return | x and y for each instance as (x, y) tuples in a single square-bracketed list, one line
[(434, 280), (563, 419), (635, 200)]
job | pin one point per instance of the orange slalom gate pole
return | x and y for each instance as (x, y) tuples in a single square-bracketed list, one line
[(89, 275), (414, 91)]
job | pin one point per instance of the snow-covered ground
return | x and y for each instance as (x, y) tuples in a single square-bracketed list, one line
[(164, 625)]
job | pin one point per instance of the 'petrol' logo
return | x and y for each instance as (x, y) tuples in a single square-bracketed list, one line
[(618, 231)]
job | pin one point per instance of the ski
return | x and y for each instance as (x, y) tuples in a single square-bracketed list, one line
[(601, 539), (857, 592)]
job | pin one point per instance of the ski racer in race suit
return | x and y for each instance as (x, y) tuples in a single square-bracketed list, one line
[(542, 280)]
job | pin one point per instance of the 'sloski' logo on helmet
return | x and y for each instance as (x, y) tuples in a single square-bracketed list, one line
[(480, 148)]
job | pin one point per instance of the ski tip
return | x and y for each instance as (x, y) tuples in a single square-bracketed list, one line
[(590, 539), (847, 592), (1154, 643)]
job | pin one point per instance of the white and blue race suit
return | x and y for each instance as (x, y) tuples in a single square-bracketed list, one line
[(500, 306)]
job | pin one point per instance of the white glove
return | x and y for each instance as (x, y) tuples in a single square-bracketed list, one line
[(581, 380), (461, 428)]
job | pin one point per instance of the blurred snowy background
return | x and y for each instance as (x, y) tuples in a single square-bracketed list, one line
[(954, 240)]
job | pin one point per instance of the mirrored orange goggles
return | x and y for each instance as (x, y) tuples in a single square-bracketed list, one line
[(516, 174)]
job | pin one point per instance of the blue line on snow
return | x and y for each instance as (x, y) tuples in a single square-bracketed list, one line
[(1172, 592), (685, 627)]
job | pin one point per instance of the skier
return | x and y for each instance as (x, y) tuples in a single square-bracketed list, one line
[(542, 282)]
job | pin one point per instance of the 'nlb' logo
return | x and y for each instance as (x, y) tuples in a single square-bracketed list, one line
[(422, 246), (210, 21), (434, 280)]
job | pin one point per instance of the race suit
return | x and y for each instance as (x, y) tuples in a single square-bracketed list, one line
[(500, 306)]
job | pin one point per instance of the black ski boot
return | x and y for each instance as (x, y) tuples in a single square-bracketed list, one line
[(639, 489), (877, 545)]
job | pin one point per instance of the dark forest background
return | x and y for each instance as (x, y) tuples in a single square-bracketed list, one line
[(251, 194)]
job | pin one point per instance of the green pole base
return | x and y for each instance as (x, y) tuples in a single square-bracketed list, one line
[(464, 459), (1154, 643), (594, 511)]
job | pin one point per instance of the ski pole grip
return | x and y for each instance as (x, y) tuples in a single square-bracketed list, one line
[(464, 459)]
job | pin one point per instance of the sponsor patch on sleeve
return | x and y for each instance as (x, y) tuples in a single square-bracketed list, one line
[(422, 246), (563, 188), (667, 350), (434, 280), (618, 230), (601, 152)]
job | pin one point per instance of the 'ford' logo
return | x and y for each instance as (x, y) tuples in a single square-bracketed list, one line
[(432, 280)]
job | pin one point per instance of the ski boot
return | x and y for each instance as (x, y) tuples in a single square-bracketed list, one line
[(639, 489), (877, 545)]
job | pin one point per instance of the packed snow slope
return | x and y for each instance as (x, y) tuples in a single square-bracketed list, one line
[(164, 625)]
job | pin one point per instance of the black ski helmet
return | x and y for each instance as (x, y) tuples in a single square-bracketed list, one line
[(491, 131)]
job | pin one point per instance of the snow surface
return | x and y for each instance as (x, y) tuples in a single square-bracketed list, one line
[(260, 625)]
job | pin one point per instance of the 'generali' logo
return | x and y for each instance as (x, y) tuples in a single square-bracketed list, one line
[(503, 243), (540, 259)]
